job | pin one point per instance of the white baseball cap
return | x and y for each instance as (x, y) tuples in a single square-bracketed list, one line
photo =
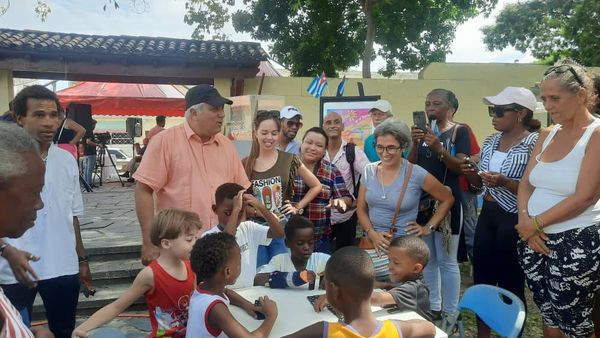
[(289, 112), (509, 95), (382, 105)]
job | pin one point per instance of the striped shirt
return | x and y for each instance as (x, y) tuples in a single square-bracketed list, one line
[(513, 167), (12, 326)]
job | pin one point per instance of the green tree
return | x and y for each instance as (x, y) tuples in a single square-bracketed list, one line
[(549, 29), (309, 36)]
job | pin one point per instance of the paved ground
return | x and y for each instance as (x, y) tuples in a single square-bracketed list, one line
[(110, 220), (110, 217)]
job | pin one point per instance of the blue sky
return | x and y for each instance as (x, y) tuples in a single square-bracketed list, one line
[(165, 18)]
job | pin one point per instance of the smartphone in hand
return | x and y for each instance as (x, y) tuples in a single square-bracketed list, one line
[(420, 120)]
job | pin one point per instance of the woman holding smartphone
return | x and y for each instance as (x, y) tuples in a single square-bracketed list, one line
[(272, 173), (440, 150), (503, 160)]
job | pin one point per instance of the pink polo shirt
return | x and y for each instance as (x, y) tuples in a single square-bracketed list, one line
[(185, 172)]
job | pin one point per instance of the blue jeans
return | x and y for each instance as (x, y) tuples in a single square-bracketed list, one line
[(442, 264), (60, 296), (89, 163)]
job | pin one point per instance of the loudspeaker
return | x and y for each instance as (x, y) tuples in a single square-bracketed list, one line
[(81, 113), (133, 125)]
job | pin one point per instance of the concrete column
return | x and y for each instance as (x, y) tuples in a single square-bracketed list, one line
[(6, 89), (223, 85)]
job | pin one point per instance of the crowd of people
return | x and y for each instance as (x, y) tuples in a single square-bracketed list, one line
[(286, 216)]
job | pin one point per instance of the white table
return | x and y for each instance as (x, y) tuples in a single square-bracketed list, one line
[(295, 312)]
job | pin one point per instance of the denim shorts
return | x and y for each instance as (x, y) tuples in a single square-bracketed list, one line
[(565, 282)]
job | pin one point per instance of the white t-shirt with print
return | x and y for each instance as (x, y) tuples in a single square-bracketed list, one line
[(52, 238), (249, 236), (283, 263)]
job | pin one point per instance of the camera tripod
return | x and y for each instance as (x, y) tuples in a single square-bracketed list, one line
[(102, 154)]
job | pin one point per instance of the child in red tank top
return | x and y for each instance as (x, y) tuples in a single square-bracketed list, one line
[(166, 284)]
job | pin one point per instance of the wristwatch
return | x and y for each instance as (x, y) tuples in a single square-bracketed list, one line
[(432, 227), (300, 211)]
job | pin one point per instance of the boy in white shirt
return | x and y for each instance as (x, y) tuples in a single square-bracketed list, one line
[(301, 265), (230, 205)]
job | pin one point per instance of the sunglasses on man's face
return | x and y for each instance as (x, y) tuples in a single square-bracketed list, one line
[(291, 124), (563, 69), (499, 111)]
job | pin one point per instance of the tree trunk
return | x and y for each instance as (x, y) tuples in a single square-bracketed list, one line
[(368, 52)]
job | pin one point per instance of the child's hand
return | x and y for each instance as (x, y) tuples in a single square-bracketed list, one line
[(251, 310), (320, 303), (238, 201), (267, 307), (78, 333)]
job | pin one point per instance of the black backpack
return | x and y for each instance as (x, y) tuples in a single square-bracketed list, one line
[(351, 157)]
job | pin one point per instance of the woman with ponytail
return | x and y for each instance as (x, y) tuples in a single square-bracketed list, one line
[(272, 174), (503, 160)]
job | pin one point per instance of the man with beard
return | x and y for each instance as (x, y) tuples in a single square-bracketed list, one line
[(291, 122)]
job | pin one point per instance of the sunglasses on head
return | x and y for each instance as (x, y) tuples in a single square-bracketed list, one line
[(267, 114), (498, 111), (563, 69)]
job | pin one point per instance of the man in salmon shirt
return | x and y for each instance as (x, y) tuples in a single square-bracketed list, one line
[(184, 165)]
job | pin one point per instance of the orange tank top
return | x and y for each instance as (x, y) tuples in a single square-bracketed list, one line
[(168, 302)]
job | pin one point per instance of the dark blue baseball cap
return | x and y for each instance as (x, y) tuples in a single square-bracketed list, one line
[(204, 93)]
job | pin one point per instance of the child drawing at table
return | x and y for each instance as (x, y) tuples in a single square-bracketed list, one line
[(166, 283), (301, 265), (216, 261), (230, 203), (408, 256), (349, 283)]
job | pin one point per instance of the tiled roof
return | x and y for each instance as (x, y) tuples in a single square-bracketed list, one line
[(68, 44)]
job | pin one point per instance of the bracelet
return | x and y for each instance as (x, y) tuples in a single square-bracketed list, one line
[(83, 259), (539, 226), (255, 212)]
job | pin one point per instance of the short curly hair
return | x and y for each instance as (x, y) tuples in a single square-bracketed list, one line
[(210, 254)]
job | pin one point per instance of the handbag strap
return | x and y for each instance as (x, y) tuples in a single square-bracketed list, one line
[(404, 186)]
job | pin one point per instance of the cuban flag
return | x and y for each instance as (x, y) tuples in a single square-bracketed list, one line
[(317, 85), (341, 87)]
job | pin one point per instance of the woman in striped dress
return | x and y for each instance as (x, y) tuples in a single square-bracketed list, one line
[(503, 160)]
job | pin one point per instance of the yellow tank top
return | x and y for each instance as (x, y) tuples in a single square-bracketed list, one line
[(385, 329)]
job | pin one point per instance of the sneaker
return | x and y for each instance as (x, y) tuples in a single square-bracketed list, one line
[(448, 324)]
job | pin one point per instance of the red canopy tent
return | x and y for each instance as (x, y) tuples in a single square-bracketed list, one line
[(126, 98)]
